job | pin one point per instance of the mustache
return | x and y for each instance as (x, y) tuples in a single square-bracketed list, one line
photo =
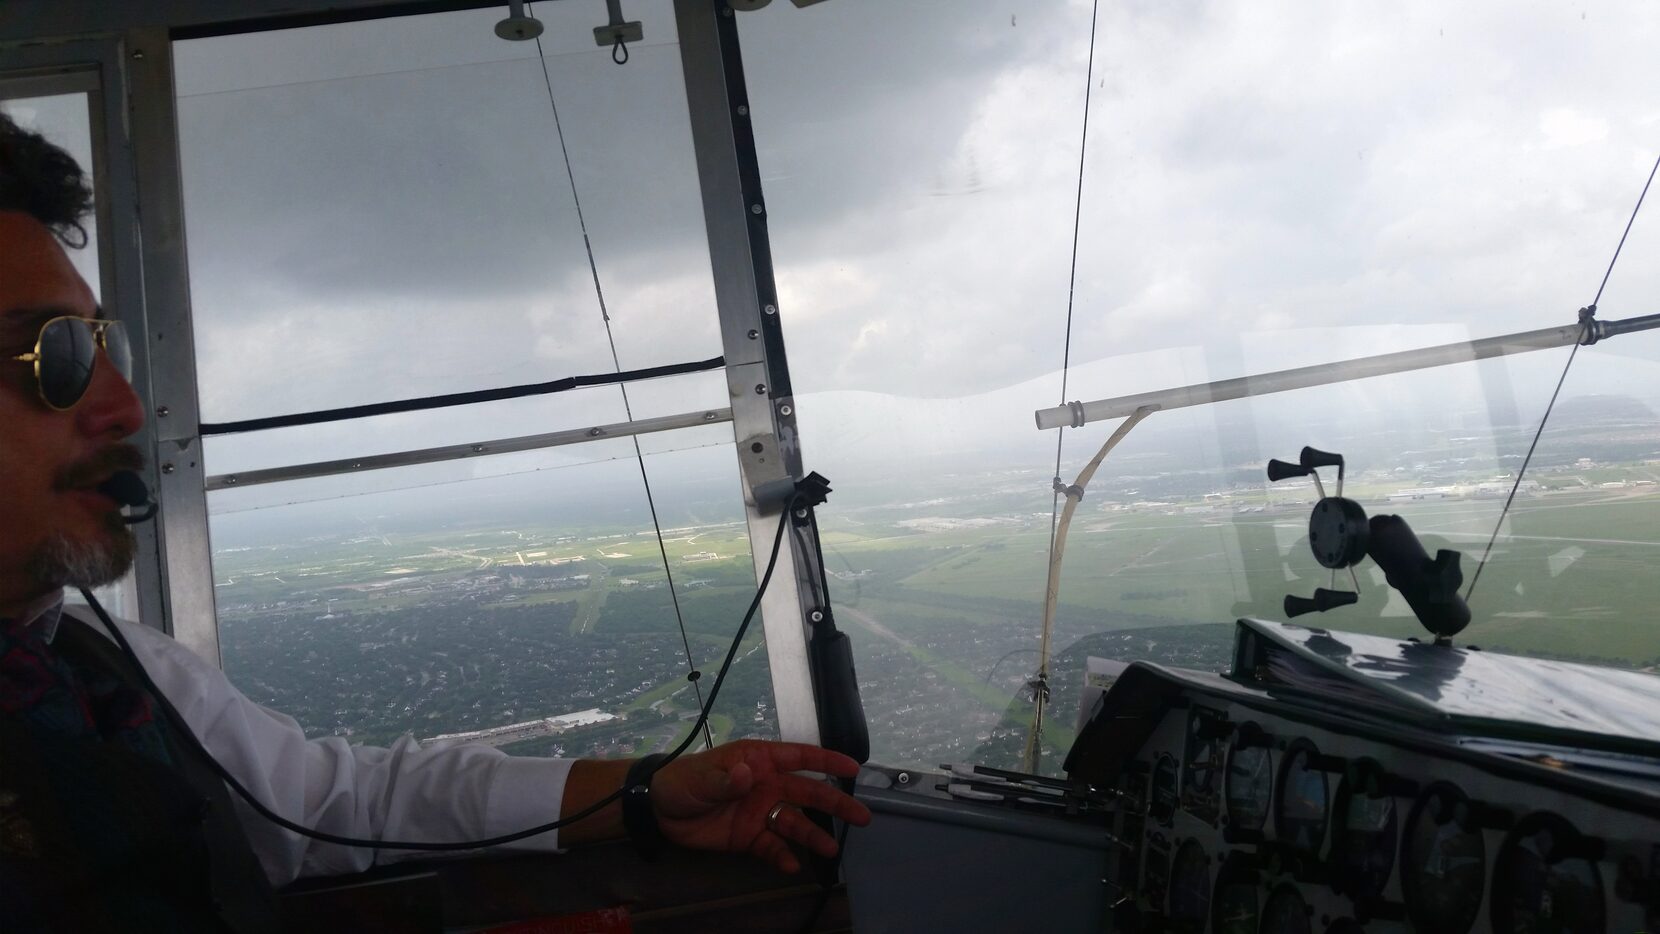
[(97, 468)]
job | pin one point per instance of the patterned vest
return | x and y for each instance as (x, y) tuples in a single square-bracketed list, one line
[(109, 820)]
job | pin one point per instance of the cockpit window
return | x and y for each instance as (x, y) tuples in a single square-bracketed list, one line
[(413, 207), (1262, 188)]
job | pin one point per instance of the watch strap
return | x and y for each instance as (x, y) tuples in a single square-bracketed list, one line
[(638, 817)]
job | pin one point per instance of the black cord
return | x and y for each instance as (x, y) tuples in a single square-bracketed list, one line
[(283, 822)]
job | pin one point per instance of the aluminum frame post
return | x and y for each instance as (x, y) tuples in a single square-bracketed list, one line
[(757, 373)]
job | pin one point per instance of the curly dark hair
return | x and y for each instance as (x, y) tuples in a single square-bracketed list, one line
[(41, 180)]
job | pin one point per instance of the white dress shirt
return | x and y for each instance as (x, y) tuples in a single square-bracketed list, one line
[(444, 794)]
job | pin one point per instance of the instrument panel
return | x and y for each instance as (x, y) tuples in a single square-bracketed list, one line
[(1255, 823)]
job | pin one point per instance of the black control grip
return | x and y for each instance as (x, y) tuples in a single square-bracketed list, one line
[(1322, 601), (1312, 458), (1430, 586), (1279, 470), (841, 714)]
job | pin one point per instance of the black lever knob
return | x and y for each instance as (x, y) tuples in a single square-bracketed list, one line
[(1322, 601), (1312, 458), (1280, 470)]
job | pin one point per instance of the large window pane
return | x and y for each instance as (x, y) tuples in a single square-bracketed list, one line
[(383, 210), (1430, 175), (490, 605)]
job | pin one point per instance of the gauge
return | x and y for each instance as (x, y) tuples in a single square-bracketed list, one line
[(1202, 764), (1190, 887), (1163, 804), (1300, 819), (1444, 865), (1248, 786), (1285, 913), (1157, 878), (1540, 882), (1234, 903), (1363, 839)]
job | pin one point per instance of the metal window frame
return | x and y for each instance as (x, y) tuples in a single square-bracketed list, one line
[(96, 66), (132, 50)]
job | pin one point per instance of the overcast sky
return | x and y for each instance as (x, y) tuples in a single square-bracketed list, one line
[(381, 210)]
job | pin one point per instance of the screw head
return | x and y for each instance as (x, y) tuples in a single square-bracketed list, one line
[(743, 110), (785, 410), (478, 449), (138, 54), (709, 416), (167, 468), (754, 334), (760, 389), (816, 616), (163, 411), (595, 432), (903, 778), (230, 481), (771, 309), (757, 447), (755, 209)]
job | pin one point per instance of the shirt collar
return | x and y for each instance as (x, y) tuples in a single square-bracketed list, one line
[(46, 614)]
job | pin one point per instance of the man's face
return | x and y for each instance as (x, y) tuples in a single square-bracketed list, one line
[(54, 528)]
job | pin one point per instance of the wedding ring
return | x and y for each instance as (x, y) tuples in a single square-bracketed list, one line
[(772, 816)]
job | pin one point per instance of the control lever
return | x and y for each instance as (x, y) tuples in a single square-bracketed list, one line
[(1323, 600)]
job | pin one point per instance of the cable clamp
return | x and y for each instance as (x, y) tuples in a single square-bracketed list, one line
[(1076, 410), (1071, 490), (1590, 327)]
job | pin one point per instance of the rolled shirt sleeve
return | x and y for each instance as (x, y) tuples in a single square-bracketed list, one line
[(406, 792)]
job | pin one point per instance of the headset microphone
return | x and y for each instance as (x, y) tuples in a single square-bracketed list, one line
[(127, 488)]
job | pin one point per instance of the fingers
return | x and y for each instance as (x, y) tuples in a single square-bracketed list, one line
[(800, 757), (772, 848), (796, 827), (810, 793)]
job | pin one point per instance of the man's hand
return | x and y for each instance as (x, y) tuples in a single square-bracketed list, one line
[(719, 799)]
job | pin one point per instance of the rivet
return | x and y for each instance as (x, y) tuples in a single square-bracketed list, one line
[(760, 389), (163, 411), (709, 416), (801, 513), (478, 449), (755, 209), (817, 616), (757, 447), (595, 432), (138, 54), (771, 309), (230, 481), (743, 110), (903, 778), (785, 410), (167, 468), (754, 334)]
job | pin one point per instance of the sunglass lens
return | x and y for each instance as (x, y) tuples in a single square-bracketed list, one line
[(120, 350), (67, 353)]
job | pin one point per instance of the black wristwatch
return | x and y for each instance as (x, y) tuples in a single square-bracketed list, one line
[(638, 818)]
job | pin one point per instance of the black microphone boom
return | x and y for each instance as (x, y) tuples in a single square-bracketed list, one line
[(127, 488)]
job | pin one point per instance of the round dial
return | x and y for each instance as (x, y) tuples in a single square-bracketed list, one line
[(1285, 913), (1248, 786), (1300, 819), (1190, 887), (1201, 767), (1538, 889), (1362, 841), (1444, 865), (1235, 906), (1163, 805)]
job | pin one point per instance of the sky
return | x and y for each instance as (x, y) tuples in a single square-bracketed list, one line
[(381, 210)]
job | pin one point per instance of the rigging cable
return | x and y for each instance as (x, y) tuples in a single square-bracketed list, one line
[(1586, 321), (1041, 681), (692, 673)]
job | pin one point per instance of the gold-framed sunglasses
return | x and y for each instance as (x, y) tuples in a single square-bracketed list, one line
[(66, 352)]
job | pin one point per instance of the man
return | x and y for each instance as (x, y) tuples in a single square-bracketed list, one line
[(104, 810)]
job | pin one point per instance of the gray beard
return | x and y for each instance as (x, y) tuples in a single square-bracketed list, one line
[(62, 562)]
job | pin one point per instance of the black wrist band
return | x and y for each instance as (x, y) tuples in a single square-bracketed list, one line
[(638, 818)]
